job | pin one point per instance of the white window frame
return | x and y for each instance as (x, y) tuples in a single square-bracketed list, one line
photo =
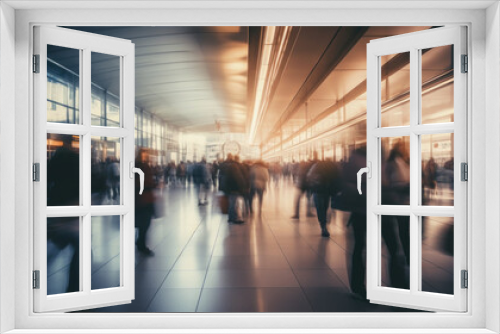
[(414, 43), (484, 103), (124, 51)]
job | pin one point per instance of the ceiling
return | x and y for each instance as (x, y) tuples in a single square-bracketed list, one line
[(194, 78)]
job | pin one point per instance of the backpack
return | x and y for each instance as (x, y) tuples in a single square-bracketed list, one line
[(324, 178)]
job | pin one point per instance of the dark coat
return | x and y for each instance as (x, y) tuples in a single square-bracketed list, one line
[(147, 198), (231, 178), (324, 178)]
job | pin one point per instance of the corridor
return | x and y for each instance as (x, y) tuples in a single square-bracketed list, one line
[(273, 264)]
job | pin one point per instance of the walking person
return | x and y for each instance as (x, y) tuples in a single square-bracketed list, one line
[(201, 179), (144, 204), (113, 178), (323, 179), (302, 187), (356, 204), (181, 173), (259, 177), (231, 182), (396, 229), (63, 190)]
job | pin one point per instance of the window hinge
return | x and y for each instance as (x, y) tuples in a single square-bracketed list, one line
[(36, 172), (464, 171), (36, 279), (36, 63), (465, 279), (465, 64)]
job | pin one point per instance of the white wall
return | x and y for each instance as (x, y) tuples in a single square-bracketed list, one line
[(7, 186), (492, 163), (483, 225)]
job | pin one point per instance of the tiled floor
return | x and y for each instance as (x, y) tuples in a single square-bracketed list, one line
[(268, 264)]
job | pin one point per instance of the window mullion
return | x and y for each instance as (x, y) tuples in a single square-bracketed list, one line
[(85, 182), (414, 166)]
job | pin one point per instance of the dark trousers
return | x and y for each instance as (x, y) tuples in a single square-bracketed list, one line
[(143, 216), (300, 193), (259, 193), (322, 202), (358, 261), (396, 234), (394, 231)]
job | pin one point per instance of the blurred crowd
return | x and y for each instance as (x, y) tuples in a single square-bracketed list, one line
[(324, 184)]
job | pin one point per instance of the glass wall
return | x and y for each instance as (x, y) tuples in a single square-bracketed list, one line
[(63, 107)]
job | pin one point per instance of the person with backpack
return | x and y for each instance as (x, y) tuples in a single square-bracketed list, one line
[(259, 178), (302, 187), (233, 184), (323, 179), (201, 179)]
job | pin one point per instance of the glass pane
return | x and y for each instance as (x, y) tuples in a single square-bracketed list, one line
[(105, 171), (106, 90), (63, 255), (395, 251), (395, 170), (63, 84), (105, 252), (437, 254), (437, 164), (63, 170), (97, 106), (395, 89), (437, 85)]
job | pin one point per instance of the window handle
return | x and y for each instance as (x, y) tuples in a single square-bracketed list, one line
[(368, 171), (141, 176)]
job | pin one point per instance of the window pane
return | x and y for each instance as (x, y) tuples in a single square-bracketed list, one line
[(63, 82), (63, 255), (105, 252), (97, 106), (395, 83), (106, 75), (395, 251), (437, 254), (105, 178), (395, 170), (63, 170), (437, 164), (437, 85)]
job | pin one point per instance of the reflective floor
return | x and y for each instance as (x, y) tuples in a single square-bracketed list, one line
[(268, 264)]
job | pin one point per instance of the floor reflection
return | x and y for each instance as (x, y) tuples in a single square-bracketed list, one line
[(272, 264)]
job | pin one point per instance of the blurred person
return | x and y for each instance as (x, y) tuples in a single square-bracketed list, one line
[(295, 171), (98, 181), (356, 204), (181, 173), (215, 173), (259, 177), (448, 172), (113, 178), (201, 180), (63, 189), (189, 171), (232, 183), (302, 187), (429, 180), (245, 190), (145, 203), (323, 179), (396, 229), (166, 174), (276, 173), (172, 172)]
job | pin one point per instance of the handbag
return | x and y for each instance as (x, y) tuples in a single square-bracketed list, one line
[(223, 204)]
